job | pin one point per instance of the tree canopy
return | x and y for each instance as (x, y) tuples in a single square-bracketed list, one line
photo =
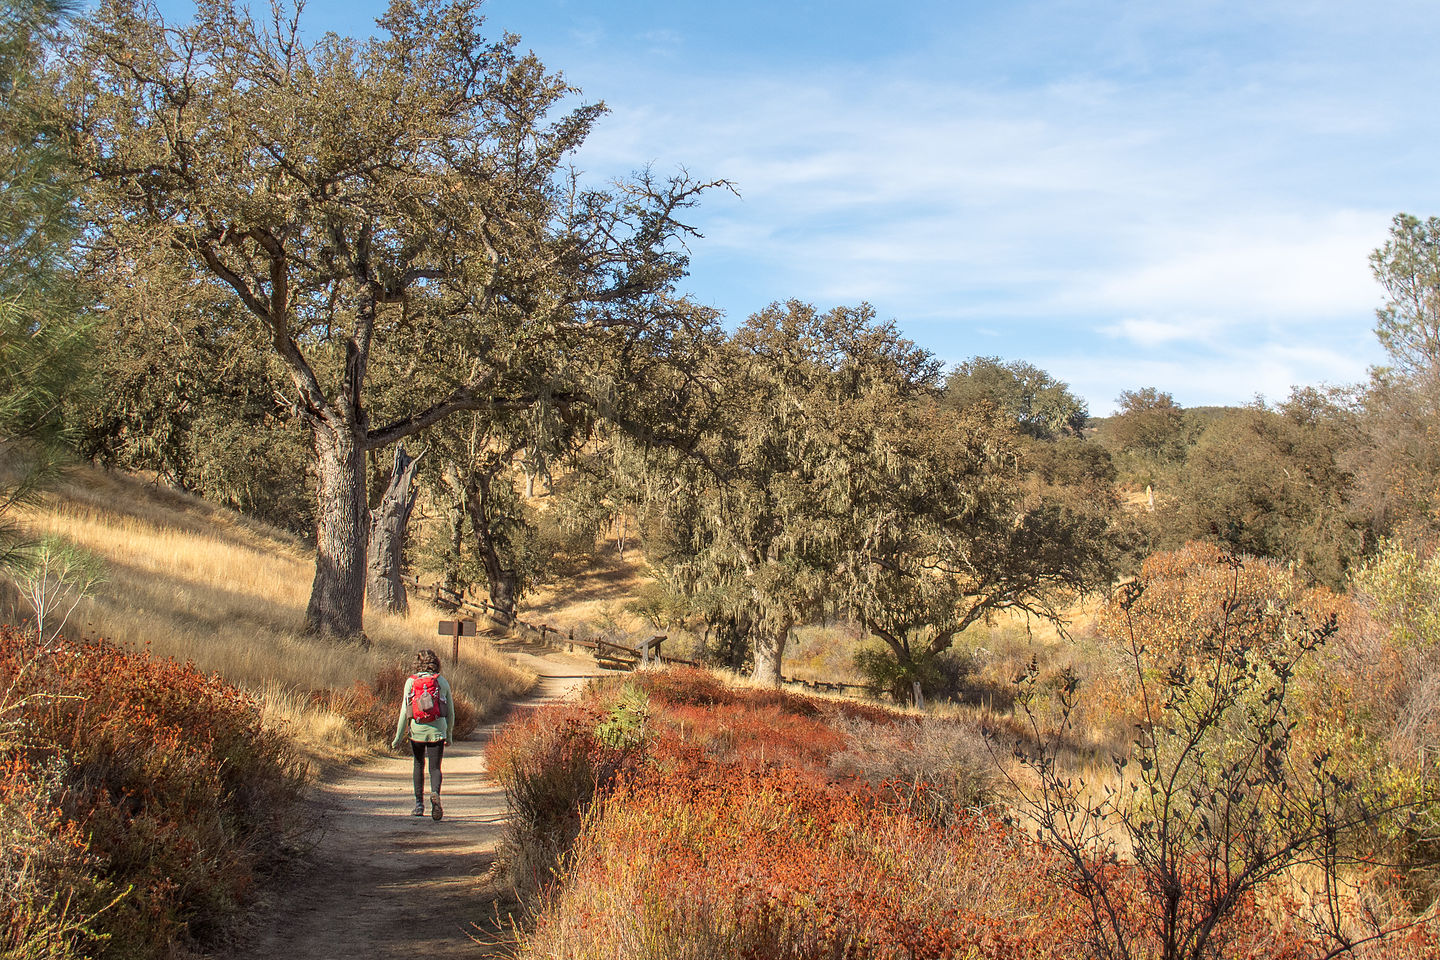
[(44, 327), (837, 477), (396, 208), (1407, 266), (1272, 483), (1040, 405)]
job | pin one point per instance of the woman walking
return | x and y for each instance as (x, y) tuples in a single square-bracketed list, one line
[(427, 715)]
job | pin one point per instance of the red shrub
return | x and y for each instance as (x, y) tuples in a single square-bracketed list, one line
[(733, 860), (723, 833), (179, 792), (691, 686), (553, 767)]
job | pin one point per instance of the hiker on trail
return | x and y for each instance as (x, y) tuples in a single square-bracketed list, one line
[(427, 714)]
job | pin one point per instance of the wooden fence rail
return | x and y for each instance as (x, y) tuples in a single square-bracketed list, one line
[(617, 656)]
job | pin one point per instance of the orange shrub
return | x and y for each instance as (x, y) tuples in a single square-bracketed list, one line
[(706, 859), (734, 723), (1185, 600), (725, 831), (180, 794), (697, 687), (712, 859), (556, 762), (45, 869), (553, 766)]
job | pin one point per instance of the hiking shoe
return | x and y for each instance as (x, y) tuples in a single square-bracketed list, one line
[(436, 811), (419, 810)]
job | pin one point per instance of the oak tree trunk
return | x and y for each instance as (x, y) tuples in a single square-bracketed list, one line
[(385, 590), (503, 581), (769, 653), (455, 533), (454, 492), (732, 642), (504, 587), (337, 598)]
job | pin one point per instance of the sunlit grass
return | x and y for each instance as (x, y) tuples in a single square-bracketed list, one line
[(189, 580)]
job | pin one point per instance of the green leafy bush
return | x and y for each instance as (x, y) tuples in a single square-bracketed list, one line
[(941, 674)]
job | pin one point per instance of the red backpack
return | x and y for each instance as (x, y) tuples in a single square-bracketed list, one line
[(426, 700)]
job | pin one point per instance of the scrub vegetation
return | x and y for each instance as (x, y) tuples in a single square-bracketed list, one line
[(675, 814), (143, 801)]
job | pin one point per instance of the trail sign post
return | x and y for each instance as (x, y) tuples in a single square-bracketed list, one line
[(646, 648), (457, 629)]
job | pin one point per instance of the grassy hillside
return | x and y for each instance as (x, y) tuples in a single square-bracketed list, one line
[(190, 580)]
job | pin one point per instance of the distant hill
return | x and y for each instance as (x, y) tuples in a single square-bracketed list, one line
[(1201, 414)]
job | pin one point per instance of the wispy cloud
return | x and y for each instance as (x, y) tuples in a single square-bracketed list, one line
[(1149, 332), (1276, 268), (1181, 195), (955, 207)]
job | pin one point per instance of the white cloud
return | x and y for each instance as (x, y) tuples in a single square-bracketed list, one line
[(1189, 234), (1276, 269), (1216, 373), (664, 43), (1149, 332), (872, 173)]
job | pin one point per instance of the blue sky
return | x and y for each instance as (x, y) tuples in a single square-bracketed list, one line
[(1128, 194)]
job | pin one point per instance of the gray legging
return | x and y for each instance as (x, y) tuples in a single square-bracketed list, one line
[(435, 750)]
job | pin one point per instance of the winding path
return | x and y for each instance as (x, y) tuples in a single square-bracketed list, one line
[(385, 884)]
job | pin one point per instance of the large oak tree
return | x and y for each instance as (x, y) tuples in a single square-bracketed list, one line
[(945, 527), (398, 208), (744, 523), (832, 475)]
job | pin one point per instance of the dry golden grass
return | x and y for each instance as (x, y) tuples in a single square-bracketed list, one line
[(193, 581), (595, 595)]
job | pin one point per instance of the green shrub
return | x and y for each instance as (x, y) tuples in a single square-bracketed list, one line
[(942, 675), (624, 725)]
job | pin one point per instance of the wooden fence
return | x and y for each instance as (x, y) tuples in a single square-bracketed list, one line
[(607, 654)]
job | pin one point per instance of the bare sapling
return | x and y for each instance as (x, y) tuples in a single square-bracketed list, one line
[(1218, 803), (53, 581)]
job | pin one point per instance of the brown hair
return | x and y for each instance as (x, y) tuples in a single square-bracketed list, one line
[(426, 661)]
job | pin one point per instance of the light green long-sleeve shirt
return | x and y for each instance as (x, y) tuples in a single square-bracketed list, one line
[(432, 732)]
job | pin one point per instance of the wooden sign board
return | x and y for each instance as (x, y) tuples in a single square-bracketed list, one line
[(456, 629)]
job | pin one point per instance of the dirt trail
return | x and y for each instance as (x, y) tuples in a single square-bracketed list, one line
[(387, 884)]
